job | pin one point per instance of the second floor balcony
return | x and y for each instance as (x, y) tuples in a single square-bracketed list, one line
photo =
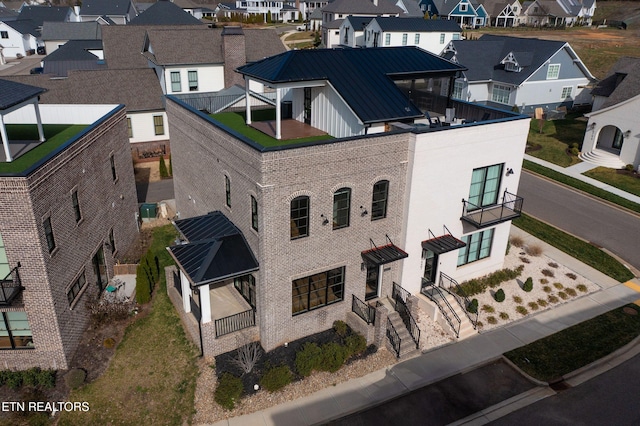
[(509, 208)]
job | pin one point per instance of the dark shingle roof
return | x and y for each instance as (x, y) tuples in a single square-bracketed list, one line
[(362, 6), (622, 83), (363, 77), (392, 24), (12, 93), (358, 22), (105, 7), (24, 27), (261, 43), (39, 14), (138, 89), (164, 13), (73, 55), (71, 31), (185, 46)]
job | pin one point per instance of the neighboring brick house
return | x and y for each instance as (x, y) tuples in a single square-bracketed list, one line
[(67, 214), (334, 222)]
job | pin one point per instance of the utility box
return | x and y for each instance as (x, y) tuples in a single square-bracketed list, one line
[(148, 211)]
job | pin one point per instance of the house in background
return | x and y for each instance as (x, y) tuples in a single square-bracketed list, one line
[(18, 38), (352, 31), (429, 34), (197, 10), (74, 55), (612, 138), (68, 213), (56, 34), (40, 14), (164, 12), (527, 73), (502, 13), (120, 12), (466, 13), (269, 11), (368, 210)]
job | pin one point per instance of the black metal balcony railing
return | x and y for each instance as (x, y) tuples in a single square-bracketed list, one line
[(458, 292), (363, 310), (235, 322), (10, 286), (394, 338), (481, 217)]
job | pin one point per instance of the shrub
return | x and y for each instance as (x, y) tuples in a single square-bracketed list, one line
[(553, 299), (228, 391), (629, 167), (340, 328), (333, 356), (521, 310), (355, 344), (528, 285), (533, 250), (504, 316), (543, 303), (308, 359), (473, 306), (109, 343), (517, 241), (574, 151), (492, 320), (571, 275), (571, 292), (164, 173), (276, 378), (533, 306), (524, 259), (499, 296), (563, 295), (479, 285), (559, 286), (14, 379), (543, 281), (488, 308), (75, 378), (479, 324), (547, 289), (553, 264), (582, 288), (573, 145), (47, 378), (547, 273), (517, 299)]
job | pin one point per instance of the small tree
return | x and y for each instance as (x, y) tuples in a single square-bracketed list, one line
[(247, 355), (163, 168), (473, 306), (528, 285), (170, 167), (499, 296)]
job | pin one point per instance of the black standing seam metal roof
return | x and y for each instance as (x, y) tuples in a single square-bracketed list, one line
[(383, 255), (216, 250), (363, 77), (443, 244), (12, 93)]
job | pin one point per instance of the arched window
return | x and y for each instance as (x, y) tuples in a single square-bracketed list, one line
[(341, 208), (299, 217), (379, 200)]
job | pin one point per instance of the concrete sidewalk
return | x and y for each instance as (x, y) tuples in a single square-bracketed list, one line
[(383, 385), (576, 171)]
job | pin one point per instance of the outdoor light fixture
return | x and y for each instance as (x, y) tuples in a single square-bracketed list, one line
[(592, 125), (627, 134), (363, 211), (324, 219), (509, 172)]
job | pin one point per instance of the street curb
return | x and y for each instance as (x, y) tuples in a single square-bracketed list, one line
[(523, 373)]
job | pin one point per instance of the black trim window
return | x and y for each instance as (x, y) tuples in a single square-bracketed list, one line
[(246, 286), (485, 185), (112, 163), (75, 288), (193, 80), (15, 331), (379, 200), (299, 217), (112, 241), (478, 247), (76, 206), (129, 127), (4, 34), (254, 213), (341, 208), (317, 290), (158, 125), (48, 232), (227, 190)]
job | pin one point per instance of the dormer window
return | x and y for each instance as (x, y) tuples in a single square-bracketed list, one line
[(511, 66)]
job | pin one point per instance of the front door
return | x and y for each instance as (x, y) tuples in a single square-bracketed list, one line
[(100, 269), (430, 266), (373, 282), (617, 140), (307, 105)]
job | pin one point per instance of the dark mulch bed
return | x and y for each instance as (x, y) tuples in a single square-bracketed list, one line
[(531, 147), (282, 355), (628, 173)]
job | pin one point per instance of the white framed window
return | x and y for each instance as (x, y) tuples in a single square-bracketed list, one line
[(158, 125), (442, 38), (193, 80), (458, 86), (176, 86), (566, 92), (387, 39), (553, 71), (417, 39), (463, 7), (500, 94), (404, 39)]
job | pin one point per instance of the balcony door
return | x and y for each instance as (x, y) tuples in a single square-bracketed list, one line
[(373, 282), (430, 266), (307, 105), (100, 269)]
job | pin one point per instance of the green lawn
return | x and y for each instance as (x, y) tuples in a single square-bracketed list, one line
[(236, 121), (574, 247), (151, 379), (550, 358), (582, 186), (56, 135), (556, 137), (628, 183)]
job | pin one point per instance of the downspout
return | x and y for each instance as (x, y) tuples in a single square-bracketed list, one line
[(452, 81)]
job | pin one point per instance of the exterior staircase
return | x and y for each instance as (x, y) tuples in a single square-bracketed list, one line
[(602, 158), (407, 345), (441, 312)]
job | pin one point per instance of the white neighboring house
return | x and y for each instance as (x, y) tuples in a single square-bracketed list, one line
[(274, 11), (56, 34), (17, 38), (428, 34), (528, 73), (118, 11), (612, 137)]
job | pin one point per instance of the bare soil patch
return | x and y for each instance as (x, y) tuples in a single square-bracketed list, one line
[(147, 172)]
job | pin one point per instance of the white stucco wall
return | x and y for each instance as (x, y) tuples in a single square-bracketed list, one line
[(439, 177), (143, 128), (210, 78), (16, 43), (429, 41)]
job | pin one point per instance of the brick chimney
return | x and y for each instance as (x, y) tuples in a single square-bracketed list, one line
[(233, 50)]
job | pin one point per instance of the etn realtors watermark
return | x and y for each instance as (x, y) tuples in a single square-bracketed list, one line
[(52, 407)]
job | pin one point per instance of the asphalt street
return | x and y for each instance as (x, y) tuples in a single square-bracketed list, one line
[(599, 223)]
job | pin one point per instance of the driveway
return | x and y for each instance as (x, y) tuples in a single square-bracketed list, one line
[(20, 66)]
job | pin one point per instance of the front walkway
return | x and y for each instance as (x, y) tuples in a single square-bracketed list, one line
[(576, 171), (383, 385)]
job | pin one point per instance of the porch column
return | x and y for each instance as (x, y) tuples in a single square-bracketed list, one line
[(186, 292), (5, 140), (247, 99), (205, 303), (39, 120), (278, 115)]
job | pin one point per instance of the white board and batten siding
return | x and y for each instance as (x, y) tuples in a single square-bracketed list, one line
[(210, 78), (143, 128)]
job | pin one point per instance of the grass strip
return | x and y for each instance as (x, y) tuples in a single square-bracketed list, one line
[(580, 185), (575, 247), (613, 177), (151, 378), (551, 357)]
